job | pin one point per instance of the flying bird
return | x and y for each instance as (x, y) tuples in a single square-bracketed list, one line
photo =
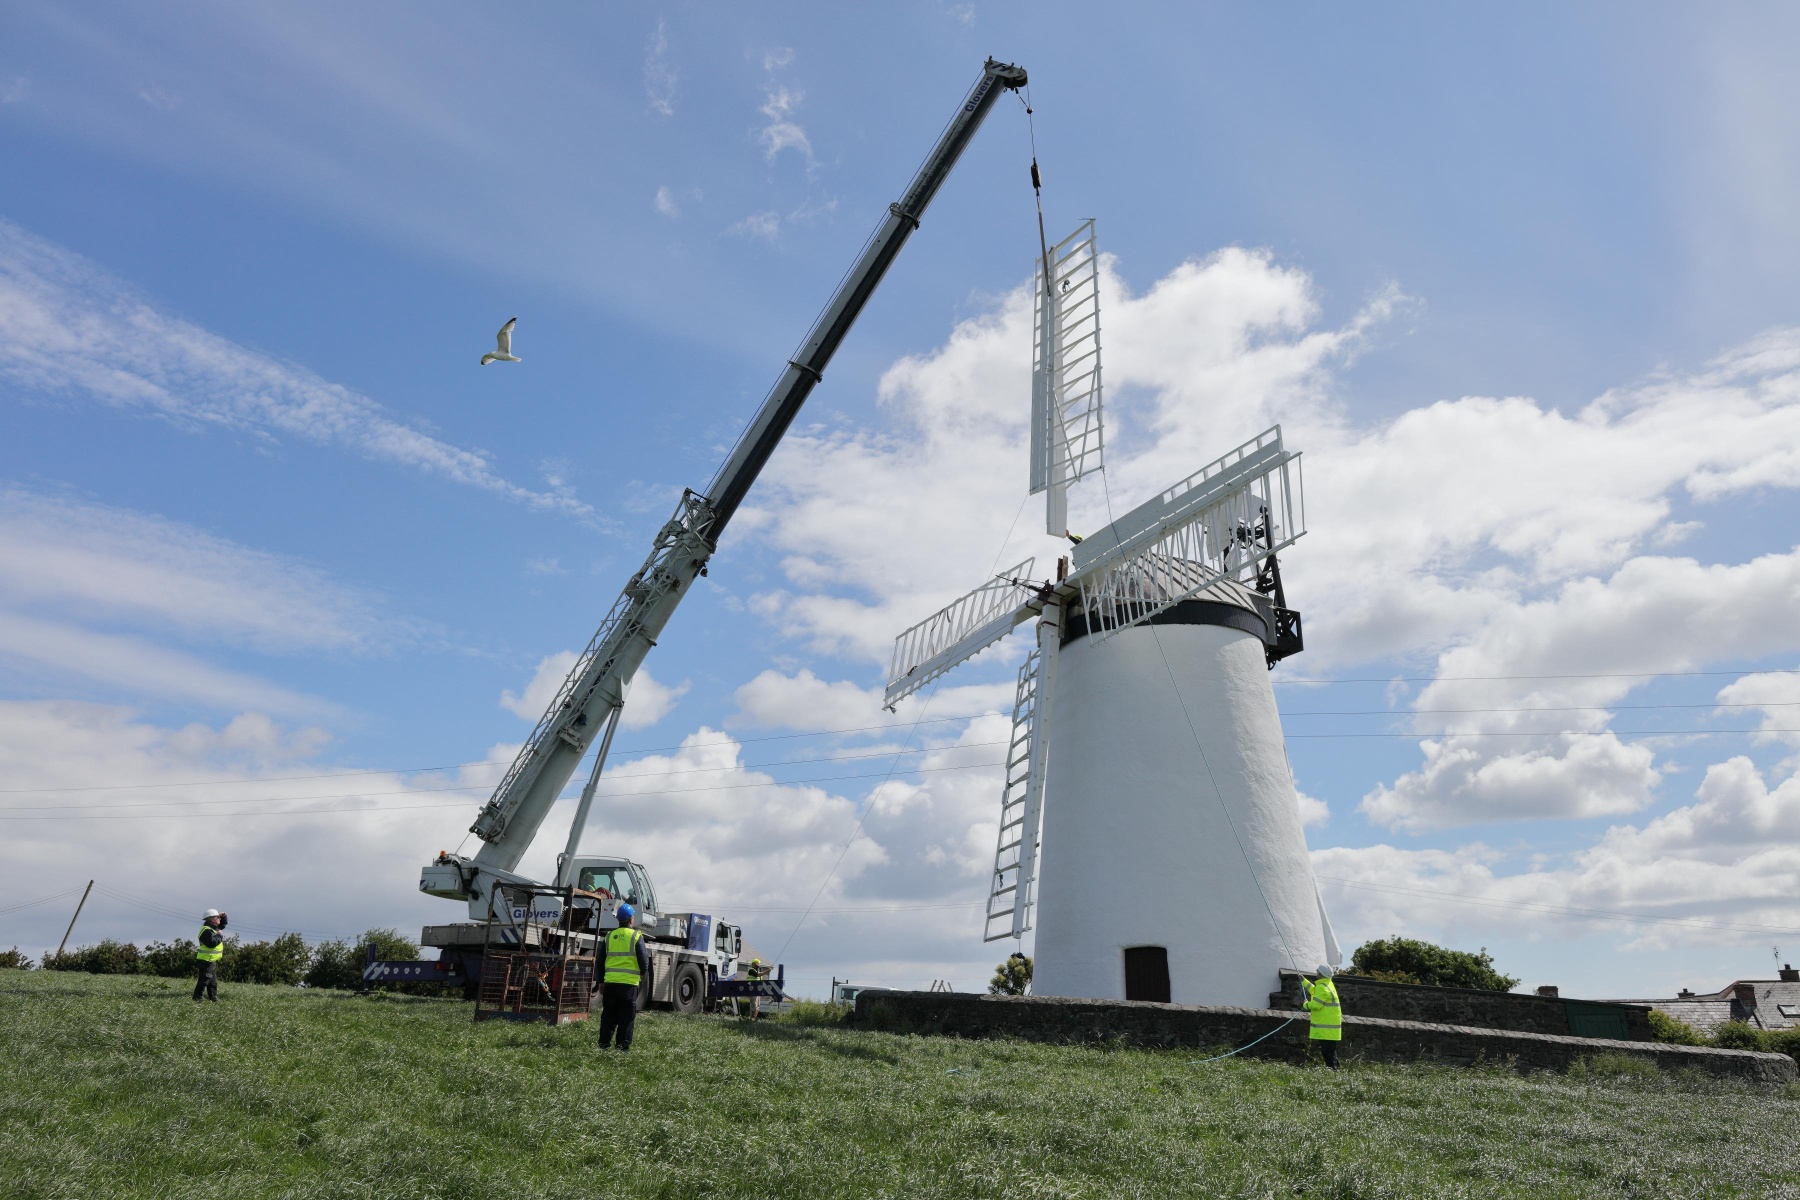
[(502, 345)]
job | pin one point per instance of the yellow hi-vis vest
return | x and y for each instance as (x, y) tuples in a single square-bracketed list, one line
[(1327, 1013), (206, 953), (621, 956)]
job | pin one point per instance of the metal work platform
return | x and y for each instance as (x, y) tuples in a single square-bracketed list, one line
[(534, 966)]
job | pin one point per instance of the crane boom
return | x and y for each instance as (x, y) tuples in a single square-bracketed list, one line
[(601, 677)]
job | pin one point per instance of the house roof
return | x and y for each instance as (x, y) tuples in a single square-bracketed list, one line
[(1776, 1005)]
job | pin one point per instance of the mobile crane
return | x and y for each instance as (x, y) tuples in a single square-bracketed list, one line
[(587, 706)]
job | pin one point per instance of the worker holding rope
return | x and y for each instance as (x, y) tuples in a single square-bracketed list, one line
[(1327, 1015)]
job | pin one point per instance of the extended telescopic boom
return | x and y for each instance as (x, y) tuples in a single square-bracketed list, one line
[(596, 687)]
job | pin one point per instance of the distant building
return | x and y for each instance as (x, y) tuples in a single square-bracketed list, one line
[(1763, 1003)]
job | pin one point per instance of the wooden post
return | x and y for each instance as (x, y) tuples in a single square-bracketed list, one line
[(72, 920)]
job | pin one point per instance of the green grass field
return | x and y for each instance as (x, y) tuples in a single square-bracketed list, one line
[(120, 1086)]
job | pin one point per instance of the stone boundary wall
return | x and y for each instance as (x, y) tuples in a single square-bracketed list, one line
[(1519, 1012), (1370, 1039)]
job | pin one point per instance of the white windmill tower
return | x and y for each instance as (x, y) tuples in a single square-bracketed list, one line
[(1149, 828)]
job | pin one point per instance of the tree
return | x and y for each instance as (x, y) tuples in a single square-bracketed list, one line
[(339, 965), (13, 960), (1012, 977), (282, 961), (1408, 960)]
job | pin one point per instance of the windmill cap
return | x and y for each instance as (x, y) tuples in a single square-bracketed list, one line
[(213, 912)]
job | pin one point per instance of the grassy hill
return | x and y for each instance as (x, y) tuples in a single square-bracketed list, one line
[(121, 1087)]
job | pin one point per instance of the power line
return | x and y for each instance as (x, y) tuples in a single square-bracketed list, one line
[(13, 908), (1411, 712), (1577, 675), (117, 787), (723, 787), (477, 787), (1604, 914), (1457, 733), (648, 750)]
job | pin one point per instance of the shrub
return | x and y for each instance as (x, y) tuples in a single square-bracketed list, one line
[(335, 964), (106, 957), (169, 959), (811, 1012), (12, 960), (1785, 1041), (282, 961), (1012, 977), (1736, 1035), (1664, 1028), (1434, 966)]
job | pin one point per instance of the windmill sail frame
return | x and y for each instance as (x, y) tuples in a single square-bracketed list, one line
[(1068, 439)]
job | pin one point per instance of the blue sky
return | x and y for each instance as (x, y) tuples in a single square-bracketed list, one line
[(1521, 286)]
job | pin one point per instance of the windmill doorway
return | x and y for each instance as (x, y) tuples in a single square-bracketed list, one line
[(1147, 973)]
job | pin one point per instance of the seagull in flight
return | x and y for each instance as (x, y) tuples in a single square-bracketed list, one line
[(502, 345)]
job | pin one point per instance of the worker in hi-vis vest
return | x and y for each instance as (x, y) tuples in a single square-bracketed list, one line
[(209, 948), (1327, 1015), (626, 964)]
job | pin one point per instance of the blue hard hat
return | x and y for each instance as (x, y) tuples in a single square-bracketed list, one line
[(626, 912)]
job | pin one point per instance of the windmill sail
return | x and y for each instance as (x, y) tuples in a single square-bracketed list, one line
[(960, 630), (1067, 439), (1219, 523), (1011, 891)]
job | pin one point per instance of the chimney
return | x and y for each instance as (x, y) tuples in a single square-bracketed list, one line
[(1788, 974), (1744, 994), (1684, 994), (1548, 991)]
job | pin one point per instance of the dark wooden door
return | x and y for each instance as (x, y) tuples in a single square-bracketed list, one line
[(1147, 973)]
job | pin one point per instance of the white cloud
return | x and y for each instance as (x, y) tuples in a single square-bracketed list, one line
[(159, 98), (925, 506), (174, 817), (764, 226), (803, 701), (661, 79), (648, 702), (781, 132), (781, 56), (665, 203), (1313, 811), (67, 327), (13, 90), (77, 558), (1722, 870), (81, 584)]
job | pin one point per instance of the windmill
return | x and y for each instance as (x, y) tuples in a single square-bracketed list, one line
[(1149, 832)]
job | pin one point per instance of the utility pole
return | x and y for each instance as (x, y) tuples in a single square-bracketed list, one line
[(73, 919)]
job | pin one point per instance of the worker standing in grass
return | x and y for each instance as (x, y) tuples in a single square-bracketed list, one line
[(1327, 1015), (627, 962), (756, 970), (209, 949)]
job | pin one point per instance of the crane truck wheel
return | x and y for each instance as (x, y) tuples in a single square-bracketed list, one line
[(689, 992)]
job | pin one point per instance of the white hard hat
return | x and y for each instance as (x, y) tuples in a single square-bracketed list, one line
[(1324, 972), (212, 912)]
